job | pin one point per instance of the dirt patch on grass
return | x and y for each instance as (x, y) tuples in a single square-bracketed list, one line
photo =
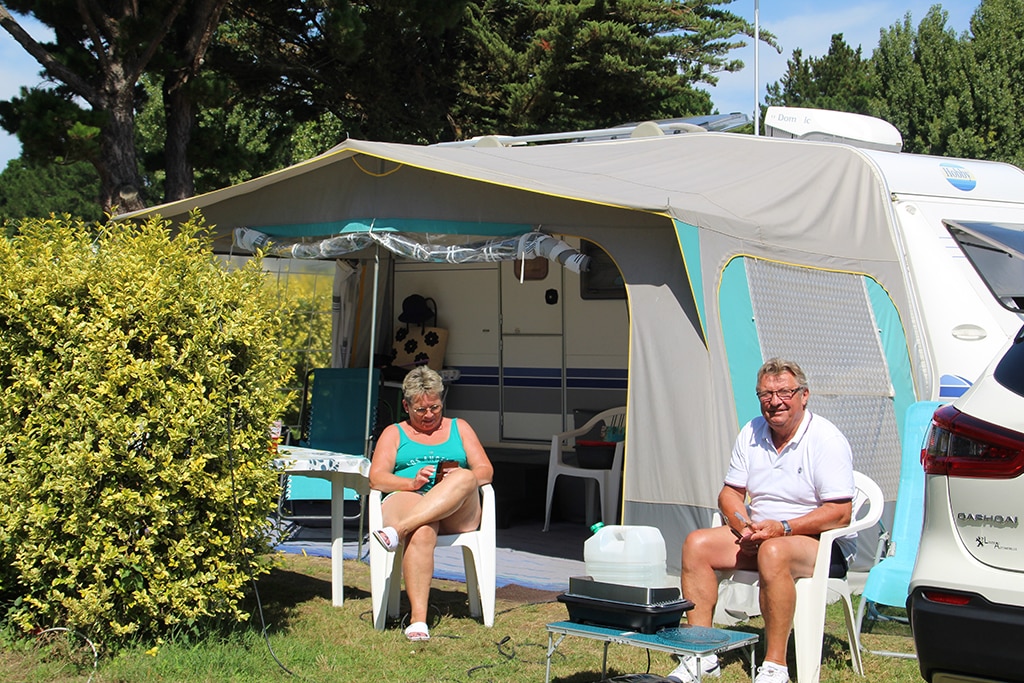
[(522, 594)]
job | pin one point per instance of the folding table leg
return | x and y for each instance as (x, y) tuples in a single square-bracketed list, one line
[(552, 646)]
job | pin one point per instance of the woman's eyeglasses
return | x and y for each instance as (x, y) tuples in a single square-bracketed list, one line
[(436, 408)]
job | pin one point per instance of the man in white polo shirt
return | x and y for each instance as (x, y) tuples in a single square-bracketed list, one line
[(796, 468)]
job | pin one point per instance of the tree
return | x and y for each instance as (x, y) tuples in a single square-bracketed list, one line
[(537, 65), (925, 81), (939, 90), (383, 70), (233, 140), (36, 191), (54, 174), (276, 83), (422, 71), (232, 96), (841, 80), (101, 51), (997, 60), (180, 60), (51, 127)]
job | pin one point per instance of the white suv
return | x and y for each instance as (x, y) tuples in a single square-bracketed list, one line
[(966, 603)]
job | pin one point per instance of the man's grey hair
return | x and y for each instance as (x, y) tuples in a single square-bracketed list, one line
[(422, 381), (777, 366)]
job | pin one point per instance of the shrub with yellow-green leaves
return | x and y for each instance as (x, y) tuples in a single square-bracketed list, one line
[(138, 381)]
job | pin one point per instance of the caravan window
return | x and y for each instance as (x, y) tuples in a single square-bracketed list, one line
[(996, 250), (603, 279)]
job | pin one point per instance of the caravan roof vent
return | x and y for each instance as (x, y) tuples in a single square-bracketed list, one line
[(647, 129), (825, 125)]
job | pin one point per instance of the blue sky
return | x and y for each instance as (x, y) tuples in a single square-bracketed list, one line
[(809, 25), (805, 24)]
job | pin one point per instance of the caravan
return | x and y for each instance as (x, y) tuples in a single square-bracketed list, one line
[(730, 249), (966, 323), (530, 344)]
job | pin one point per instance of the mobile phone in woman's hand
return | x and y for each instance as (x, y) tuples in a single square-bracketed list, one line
[(441, 468)]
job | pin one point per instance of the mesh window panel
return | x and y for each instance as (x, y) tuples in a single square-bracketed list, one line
[(869, 425), (823, 320)]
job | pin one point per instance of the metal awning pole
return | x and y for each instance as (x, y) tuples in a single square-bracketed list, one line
[(369, 387), (373, 345)]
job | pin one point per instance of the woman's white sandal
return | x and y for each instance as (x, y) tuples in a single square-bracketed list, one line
[(417, 631), (387, 537)]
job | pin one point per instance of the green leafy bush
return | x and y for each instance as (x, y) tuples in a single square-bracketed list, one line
[(139, 377)]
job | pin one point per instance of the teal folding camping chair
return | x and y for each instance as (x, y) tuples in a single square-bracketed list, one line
[(333, 418), (888, 581)]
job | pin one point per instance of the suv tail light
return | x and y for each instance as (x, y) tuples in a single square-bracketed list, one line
[(947, 597), (959, 445)]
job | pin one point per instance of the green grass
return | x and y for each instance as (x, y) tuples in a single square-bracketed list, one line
[(318, 643)]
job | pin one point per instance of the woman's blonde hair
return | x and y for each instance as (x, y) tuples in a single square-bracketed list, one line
[(421, 381)]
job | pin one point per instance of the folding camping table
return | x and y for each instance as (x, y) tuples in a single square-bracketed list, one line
[(343, 471), (706, 641)]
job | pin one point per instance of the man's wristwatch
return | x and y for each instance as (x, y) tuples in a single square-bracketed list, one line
[(786, 528)]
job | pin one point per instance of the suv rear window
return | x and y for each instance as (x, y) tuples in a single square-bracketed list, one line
[(1009, 371)]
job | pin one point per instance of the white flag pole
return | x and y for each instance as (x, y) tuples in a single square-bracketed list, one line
[(757, 75)]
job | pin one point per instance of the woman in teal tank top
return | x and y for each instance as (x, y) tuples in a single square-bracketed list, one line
[(425, 498), (413, 456)]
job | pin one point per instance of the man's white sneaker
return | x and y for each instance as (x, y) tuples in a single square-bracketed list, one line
[(772, 673), (686, 672)]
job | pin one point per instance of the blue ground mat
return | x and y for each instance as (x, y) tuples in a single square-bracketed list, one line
[(528, 569)]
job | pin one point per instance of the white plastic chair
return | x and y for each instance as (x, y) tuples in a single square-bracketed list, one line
[(609, 480), (812, 592), (478, 554)]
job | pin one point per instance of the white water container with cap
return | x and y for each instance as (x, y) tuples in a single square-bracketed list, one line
[(627, 555)]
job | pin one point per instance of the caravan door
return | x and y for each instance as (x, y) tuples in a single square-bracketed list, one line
[(467, 306), (531, 372)]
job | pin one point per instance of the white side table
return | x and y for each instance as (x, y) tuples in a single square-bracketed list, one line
[(343, 471)]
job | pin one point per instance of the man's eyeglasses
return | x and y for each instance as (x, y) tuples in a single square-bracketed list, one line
[(783, 394), (436, 408)]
